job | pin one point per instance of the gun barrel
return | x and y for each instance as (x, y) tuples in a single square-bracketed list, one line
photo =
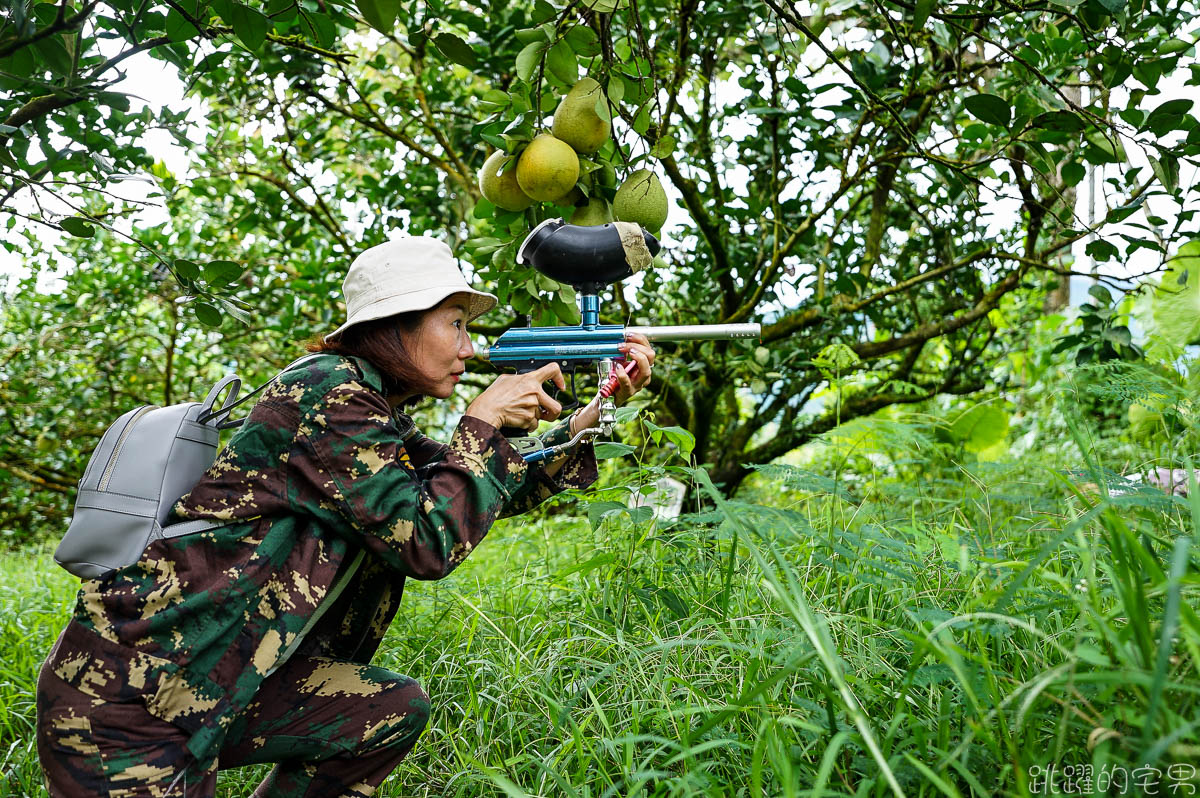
[(699, 332)]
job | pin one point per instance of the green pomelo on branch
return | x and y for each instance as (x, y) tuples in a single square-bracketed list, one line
[(596, 212), (502, 190), (642, 199), (548, 168), (576, 121)]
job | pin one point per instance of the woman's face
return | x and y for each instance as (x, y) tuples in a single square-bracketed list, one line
[(440, 346)]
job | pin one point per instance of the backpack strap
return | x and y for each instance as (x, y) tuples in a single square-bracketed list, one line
[(222, 414), (190, 527), (342, 579)]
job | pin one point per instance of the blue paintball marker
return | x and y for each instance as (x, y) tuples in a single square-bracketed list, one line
[(588, 258)]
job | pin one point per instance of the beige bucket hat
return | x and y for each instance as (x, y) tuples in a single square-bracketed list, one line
[(411, 273)]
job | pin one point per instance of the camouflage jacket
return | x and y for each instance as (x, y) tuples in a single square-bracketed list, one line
[(318, 471)]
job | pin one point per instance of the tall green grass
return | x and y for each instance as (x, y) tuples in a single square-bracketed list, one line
[(948, 634)]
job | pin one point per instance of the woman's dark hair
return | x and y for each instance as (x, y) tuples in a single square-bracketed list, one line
[(380, 342)]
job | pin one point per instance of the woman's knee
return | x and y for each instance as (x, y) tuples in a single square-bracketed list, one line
[(404, 710), (412, 701)]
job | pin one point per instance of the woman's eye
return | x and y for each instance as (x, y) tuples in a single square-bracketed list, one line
[(458, 322)]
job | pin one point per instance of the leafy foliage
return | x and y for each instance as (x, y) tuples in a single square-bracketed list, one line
[(836, 174), (1100, 338)]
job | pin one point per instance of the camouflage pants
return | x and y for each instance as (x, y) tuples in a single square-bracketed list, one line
[(335, 728)]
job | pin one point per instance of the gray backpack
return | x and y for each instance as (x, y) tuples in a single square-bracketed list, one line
[(146, 461)]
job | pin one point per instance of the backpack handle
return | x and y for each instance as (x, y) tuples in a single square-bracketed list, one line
[(225, 409), (209, 409)]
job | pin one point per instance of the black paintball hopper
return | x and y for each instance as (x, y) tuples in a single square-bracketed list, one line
[(585, 257)]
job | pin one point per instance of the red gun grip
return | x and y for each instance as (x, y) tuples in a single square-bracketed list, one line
[(610, 386)]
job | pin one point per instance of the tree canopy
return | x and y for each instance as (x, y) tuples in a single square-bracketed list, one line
[(888, 187)]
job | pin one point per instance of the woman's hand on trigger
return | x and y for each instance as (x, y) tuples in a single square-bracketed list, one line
[(518, 400)]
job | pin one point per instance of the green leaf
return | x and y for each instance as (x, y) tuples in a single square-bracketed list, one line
[(604, 6), (1113, 6), (1073, 172), (1109, 149), (623, 414), (602, 108), (685, 440), (233, 310), (494, 100), (1124, 212), (615, 90), (1118, 335), (668, 597), (598, 511), (836, 357), (222, 272), (531, 35), (989, 108), (1102, 294), (561, 62), (1116, 69), (20, 64), (609, 449), (1173, 46), (980, 427), (527, 60), (1167, 116), (1166, 170), (177, 27), (663, 147), (208, 315), (456, 50), (543, 11), (379, 14), (583, 41), (921, 13), (323, 29), (484, 209), (1101, 250), (185, 269), (78, 227), (250, 25), (1063, 121), (53, 54)]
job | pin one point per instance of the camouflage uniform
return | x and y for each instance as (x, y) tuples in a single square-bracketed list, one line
[(186, 638)]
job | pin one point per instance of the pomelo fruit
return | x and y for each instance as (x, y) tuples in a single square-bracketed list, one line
[(576, 121), (548, 168), (502, 190), (642, 199), (596, 212)]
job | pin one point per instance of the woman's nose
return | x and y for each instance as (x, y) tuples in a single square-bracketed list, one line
[(466, 350)]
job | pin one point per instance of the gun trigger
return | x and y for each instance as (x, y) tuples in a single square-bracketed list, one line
[(572, 398), (526, 445)]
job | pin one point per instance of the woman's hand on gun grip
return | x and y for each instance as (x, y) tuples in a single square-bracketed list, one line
[(640, 354), (639, 357)]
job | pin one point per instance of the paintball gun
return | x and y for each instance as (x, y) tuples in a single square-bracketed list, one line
[(588, 258)]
